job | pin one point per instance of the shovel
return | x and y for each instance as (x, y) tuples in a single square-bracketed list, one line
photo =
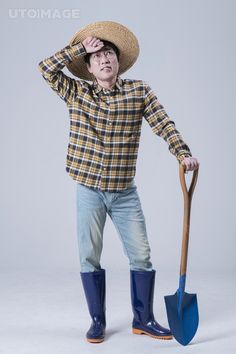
[(182, 308)]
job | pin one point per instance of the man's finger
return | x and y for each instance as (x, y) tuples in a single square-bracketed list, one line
[(88, 39), (93, 41), (96, 43)]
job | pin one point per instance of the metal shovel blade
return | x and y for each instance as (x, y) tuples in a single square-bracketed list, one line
[(182, 313)]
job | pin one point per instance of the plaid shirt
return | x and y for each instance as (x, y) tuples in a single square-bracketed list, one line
[(105, 125)]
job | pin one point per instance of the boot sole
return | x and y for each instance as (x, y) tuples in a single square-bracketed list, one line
[(139, 331), (95, 340)]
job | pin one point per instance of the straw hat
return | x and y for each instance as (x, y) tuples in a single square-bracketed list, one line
[(113, 32)]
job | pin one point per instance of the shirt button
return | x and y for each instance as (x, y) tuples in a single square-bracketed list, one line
[(104, 168), (110, 123)]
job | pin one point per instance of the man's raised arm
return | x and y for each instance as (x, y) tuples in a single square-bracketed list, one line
[(51, 69)]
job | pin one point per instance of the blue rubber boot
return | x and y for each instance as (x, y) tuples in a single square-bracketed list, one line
[(142, 290), (95, 292)]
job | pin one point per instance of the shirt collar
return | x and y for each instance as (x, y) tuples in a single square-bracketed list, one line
[(98, 88)]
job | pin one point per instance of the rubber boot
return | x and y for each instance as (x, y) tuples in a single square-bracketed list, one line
[(142, 290), (95, 292)]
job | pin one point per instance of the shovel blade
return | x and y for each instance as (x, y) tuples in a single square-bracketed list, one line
[(183, 317)]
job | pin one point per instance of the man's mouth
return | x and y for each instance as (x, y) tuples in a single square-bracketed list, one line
[(107, 68)]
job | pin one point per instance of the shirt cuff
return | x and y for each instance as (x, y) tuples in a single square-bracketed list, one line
[(181, 157), (75, 51)]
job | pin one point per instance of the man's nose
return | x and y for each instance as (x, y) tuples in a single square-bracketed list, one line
[(104, 59)]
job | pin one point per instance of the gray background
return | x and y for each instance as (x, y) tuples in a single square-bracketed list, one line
[(188, 58)]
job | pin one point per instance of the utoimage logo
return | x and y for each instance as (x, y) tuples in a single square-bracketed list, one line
[(50, 14)]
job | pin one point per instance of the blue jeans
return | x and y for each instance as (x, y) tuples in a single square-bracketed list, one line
[(125, 210)]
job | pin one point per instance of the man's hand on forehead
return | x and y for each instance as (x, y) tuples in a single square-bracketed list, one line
[(92, 44)]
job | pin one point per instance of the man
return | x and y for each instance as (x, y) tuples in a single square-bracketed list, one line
[(105, 128)]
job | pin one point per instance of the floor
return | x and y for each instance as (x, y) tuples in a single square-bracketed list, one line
[(44, 312)]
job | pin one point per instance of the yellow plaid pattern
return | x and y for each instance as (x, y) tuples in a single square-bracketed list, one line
[(105, 125)]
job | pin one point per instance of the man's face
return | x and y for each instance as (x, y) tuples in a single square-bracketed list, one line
[(104, 64)]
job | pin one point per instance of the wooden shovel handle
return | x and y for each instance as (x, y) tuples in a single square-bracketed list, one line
[(187, 209)]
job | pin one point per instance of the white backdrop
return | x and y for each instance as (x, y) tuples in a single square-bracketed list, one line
[(188, 58)]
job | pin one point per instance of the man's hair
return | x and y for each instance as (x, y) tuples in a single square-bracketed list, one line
[(106, 44)]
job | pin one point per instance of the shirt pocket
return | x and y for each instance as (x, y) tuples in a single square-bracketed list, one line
[(130, 136)]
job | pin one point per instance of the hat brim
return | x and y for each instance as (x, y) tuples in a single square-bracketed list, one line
[(110, 31)]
